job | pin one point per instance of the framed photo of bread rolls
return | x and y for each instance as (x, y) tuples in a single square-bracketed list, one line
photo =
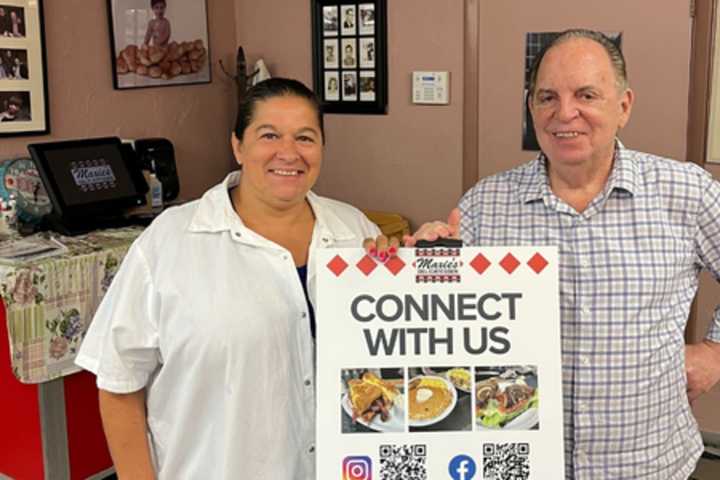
[(23, 81), (350, 71), (156, 43)]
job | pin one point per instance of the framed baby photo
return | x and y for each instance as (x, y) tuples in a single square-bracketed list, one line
[(156, 43), (23, 71), (350, 55)]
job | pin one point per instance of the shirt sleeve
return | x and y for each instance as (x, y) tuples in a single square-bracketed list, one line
[(708, 242), (121, 345)]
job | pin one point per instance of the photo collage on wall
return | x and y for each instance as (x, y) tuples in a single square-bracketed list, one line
[(349, 62), (14, 73)]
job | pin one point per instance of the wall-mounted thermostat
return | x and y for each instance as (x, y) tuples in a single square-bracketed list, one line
[(431, 87)]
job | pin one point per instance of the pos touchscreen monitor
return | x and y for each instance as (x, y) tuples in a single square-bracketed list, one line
[(90, 182)]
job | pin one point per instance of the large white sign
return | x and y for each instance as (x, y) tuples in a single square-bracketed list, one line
[(443, 363)]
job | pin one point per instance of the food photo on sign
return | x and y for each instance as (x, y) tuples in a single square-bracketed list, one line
[(506, 398), (439, 399), (372, 400)]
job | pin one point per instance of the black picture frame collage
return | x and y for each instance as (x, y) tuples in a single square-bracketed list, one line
[(349, 55)]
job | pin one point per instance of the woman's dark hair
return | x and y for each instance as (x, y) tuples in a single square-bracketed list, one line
[(270, 88)]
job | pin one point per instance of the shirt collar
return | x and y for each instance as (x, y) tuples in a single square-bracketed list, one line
[(624, 175), (215, 213)]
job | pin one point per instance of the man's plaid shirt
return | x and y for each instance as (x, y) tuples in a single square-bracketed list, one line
[(629, 272)]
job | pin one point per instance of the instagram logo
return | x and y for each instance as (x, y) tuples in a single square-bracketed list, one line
[(357, 468)]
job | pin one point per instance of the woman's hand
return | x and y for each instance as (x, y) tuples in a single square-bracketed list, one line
[(382, 247)]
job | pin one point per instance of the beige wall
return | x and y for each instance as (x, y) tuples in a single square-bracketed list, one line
[(196, 118), (409, 161), (661, 93)]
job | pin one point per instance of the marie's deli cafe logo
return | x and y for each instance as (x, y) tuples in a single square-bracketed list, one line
[(437, 265)]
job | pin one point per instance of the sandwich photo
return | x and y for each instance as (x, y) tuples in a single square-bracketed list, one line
[(503, 398), (372, 402)]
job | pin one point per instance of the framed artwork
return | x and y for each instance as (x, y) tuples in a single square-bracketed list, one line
[(23, 80), (158, 43), (350, 55), (535, 42)]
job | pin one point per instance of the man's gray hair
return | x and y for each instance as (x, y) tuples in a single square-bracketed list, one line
[(616, 57)]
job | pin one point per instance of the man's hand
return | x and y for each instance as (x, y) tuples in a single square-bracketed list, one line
[(383, 248), (433, 230), (702, 366)]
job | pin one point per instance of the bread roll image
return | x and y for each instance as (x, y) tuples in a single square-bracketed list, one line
[(143, 57), (155, 71), (175, 69), (198, 44), (129, 53), (142, 70), (195, 54), (121, 66), (156, 54), (165, 66), (186, 67), (173, 52), (195, 66)]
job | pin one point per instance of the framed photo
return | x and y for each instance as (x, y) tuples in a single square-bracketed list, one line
[(23, 82), (158, 43), (349, 20), (332, 85), (350, 55), (331, 53)]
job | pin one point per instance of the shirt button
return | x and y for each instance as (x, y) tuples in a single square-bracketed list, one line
[(582, 456), (308, 383), (584, 360), (311, 449), (325, 240), (284, 257), (586, 310), (238, 234), (585, 262), (303, 314), (583, 407)]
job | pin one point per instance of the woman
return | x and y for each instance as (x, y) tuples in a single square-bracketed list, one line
[(208, 326)]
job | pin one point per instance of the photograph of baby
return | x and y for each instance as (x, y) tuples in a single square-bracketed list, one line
[(12, 21), (372, 400), (165, 43), (330, 21), (349, 22), (367, 19), (439, 399), (330, 50), (13, 64), (332, 86), (15, 107), (367, 86)]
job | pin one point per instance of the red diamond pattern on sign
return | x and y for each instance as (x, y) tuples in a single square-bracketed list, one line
[(395, 265), (480, 263), (509, 263), (366, 265), (537, 263), (337, 265)]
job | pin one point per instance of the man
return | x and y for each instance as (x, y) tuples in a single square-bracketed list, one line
[(633, 232)]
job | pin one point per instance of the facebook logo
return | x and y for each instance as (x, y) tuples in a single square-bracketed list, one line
[(462, 467)]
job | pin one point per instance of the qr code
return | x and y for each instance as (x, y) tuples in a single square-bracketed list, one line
[(506, 461), (405, 462)]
